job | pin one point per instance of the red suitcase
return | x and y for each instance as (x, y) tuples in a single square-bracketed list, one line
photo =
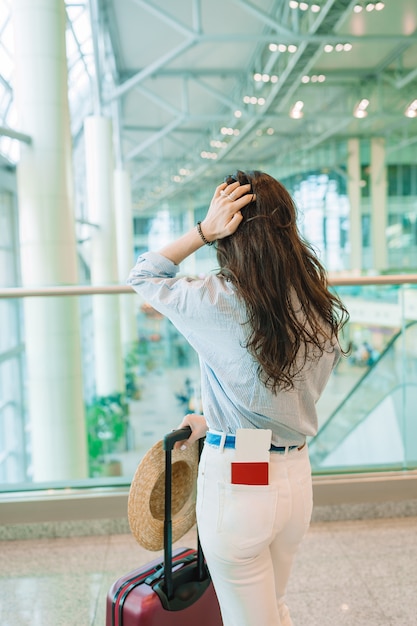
[(174, 592)]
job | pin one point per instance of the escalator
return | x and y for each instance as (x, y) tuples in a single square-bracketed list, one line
[(380, 412)]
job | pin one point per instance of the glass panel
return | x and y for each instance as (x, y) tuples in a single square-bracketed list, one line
[(13, 457), (90, 416), (6, 52), (78, 407), (367, 410)]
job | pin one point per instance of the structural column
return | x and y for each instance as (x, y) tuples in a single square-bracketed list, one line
[(125, 254), (47, 243), (379, 204), (108, 355), (354, 194), (189, 265)]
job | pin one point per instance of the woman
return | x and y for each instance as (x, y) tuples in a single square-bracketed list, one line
[(265, 329)]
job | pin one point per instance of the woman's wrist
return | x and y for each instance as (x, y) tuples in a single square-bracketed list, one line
[(207, 242), (182, 247)]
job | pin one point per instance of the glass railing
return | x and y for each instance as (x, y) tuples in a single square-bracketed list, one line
[(374, 424), (79, 406)]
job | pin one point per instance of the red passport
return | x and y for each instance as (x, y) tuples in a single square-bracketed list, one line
[(250, 473)]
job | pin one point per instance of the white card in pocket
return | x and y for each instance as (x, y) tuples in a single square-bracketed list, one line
[(252, 445)]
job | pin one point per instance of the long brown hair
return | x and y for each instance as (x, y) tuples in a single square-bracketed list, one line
[(292, 315)]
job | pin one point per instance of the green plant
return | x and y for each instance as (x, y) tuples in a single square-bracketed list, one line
[(107, 418), (132, 381)]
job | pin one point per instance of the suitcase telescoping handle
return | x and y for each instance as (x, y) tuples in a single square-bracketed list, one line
[(169, 441)]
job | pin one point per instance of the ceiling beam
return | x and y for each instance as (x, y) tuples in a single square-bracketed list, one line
[(96, 34), (150, 69), (15, 134), (264, 18), (402, 82), (173, 22), (163, 104), (218, 95), (155, 137)]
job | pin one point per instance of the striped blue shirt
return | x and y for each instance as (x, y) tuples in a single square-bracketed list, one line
[(212, 317)]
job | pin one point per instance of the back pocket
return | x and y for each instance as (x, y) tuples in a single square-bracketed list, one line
[(247, 514)]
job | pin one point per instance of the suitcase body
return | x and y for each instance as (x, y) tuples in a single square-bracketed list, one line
[(175, 591), (135, 599)]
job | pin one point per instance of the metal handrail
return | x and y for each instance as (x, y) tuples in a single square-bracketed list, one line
[(68, 290), (394, 279), (86, 290)]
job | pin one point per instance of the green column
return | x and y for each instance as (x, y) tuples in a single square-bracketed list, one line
[(354, 194), (379, 217)]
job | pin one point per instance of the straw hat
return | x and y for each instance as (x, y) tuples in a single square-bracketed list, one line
[(146, 504)]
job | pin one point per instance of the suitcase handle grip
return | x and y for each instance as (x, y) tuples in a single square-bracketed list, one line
[(176, 435), (168, 443)]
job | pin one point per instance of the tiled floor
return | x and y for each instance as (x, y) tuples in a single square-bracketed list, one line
[(351, 573)]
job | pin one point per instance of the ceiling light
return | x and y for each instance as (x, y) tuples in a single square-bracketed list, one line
[(252, 100), (296, 111), (237, 113), (291, 48), (411, 110), (339, 47), (216, 143), (304, 6), (270, 131), (360, 109), (208, 155), (264, 78), (225, 130), (274, 78), (273, 47), (369, 6), (314, 78)]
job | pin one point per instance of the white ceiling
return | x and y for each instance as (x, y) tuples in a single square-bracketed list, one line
[(182, 69)]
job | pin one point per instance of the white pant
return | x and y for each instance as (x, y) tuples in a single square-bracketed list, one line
[(250, 533)]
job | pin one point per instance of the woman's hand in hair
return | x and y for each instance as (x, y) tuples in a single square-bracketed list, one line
[(224, 214), (198, 427)]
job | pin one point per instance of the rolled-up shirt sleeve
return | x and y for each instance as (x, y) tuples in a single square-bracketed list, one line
[(154, 277), (149, 265)]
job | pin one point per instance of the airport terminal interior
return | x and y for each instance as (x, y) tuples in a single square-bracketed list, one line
[(118, 119)]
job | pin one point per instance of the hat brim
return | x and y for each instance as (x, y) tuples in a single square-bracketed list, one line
[(146, 503)]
